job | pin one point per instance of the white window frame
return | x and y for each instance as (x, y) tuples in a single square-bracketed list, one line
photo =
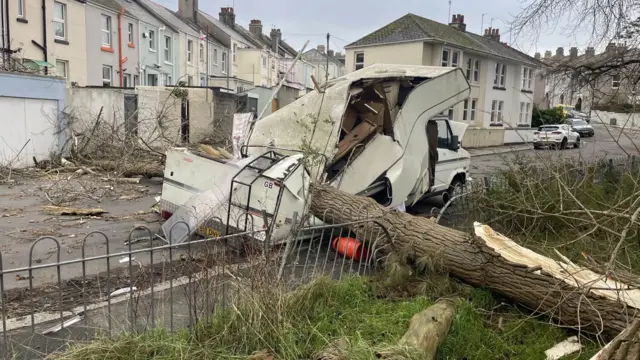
[(235, 50), (528, 114), (21, 12), (62, 21), (65, 66), (264, 61), (224, 62), (130, 30), (473, 70), (358, 64), (615, 84), (106, 21), (448, 61), (500, 78), (152, 40), (527, 74), (189, 51), (201, 51), (497, 107), (126, 80), (167, 49), (469, 109), (110, 79), (474, 109)]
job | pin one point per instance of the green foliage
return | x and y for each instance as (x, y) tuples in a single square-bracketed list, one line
[(624, 108), (565, 206), (180, 93), (540, 117), (352, 313)]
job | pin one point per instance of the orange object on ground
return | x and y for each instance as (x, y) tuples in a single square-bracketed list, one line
[(350, 247)]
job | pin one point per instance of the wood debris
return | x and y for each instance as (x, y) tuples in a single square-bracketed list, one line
[(69, 211)]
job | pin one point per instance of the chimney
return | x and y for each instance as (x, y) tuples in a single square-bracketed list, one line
[(275, 35), (537, 56), (560, 52), (255, 27), (330, 53), (227, 16), (547, 54), (573, 52), (457, 21), (610, 47), (188, 9), (321, 49), (590, 51), (493, 34)]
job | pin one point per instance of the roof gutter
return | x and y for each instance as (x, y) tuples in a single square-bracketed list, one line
[(389, 43)]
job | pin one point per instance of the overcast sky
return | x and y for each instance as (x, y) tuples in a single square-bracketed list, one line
[(349, 20)]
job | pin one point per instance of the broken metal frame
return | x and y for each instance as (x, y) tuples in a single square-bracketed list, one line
[(50, 324)]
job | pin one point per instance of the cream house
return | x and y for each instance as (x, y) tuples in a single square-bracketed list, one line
[(55, 46), (502, 79)]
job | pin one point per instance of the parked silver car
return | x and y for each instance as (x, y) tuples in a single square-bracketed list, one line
[(581, 127)]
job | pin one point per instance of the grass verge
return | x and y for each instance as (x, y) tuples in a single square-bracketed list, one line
[(355, 318)]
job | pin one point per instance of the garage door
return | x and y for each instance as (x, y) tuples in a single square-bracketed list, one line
[(31, 122)]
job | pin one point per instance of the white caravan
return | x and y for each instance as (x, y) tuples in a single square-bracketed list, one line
[(377, 132)]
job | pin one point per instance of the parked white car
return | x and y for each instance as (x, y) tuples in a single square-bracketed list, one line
[(558, 136)]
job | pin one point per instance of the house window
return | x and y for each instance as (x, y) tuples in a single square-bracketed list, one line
[(189, 50), (501, 75), (136, 80), (62, 68), (215, 56), (152, 40), (235, 50), (189, 80), (525, 113), (106, 30), (473, 70), (201, 51), (359, 60), (59, 20), (264, 61), (469, 112), (167, 49), (448, 113), (21, 8), (165, 79), (527, 74), (152, 80), (615, 82), (127, 80), (450, 58), (169, 80), (130, 33), (203, 79), (224, 62), (107, 73), (496, 111)]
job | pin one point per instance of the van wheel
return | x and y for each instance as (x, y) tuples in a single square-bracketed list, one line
[(455, 189)]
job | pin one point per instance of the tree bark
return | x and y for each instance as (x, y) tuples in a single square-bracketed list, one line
[(429, 328), (625, 346), (572, 295)]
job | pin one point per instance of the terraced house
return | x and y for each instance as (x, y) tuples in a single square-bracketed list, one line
[(111, 45), (503, 80), (48, 37)]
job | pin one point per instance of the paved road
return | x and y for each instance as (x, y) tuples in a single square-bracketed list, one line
[(607, 143)]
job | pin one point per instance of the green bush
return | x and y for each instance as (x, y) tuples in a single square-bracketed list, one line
[(617, 108), (540, 117)]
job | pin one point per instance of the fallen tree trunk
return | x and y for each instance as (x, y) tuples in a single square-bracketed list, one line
[(625, 346), (572, 295)]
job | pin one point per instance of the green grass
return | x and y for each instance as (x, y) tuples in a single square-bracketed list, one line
[(355, 313)]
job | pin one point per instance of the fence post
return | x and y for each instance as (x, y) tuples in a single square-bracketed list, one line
[(487, 184)]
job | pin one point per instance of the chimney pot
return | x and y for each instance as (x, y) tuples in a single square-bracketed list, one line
[(547, 54), (227, 16), (537, 56), (457, 22), (573, 52), (560, 52), (330, 53), (454, 18), (321, 49)]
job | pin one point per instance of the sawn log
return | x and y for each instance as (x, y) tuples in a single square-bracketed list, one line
[(571, 295)]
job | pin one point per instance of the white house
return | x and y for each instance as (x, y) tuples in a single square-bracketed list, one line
[(502, 79)]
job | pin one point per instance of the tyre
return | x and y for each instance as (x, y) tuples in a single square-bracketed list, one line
[(577, 144), (563, 144), (455, 189)]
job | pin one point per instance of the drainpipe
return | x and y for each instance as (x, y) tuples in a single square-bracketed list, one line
[(44, 34), (5, 21), (141, 72), (120, 57)]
